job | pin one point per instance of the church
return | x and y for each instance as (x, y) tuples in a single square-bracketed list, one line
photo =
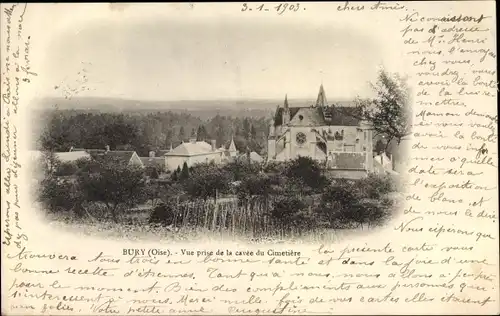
[(328, 133)]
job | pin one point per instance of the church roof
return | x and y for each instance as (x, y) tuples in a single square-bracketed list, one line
[(313, 116), (319, 114)]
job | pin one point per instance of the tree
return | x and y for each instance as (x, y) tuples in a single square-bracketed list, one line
[(290, 211), (253, 132), (306, 170), (207, 181), (254, 184), (168, 138), (389, 112), (114, 184), (181, 133), (202, 134), (379, 147), (185, 172), (360, 202), (246, 128)]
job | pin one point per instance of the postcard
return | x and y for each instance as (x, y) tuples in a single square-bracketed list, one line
[(249, 158)]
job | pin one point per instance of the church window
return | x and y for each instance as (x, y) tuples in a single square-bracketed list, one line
[(301, 138), (301, 117)]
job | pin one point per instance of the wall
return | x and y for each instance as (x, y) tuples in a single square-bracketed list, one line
[(172, 162), (347, 174)]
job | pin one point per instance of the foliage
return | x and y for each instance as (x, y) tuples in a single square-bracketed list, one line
[(389, 112), (207, 181), (164, 215), (376, 186), (291, 211), (142, 131), (113, 184), (66, 169), (58, 195), (254, 184), (153, 172), (184, 175), (241, 169), (379, 147), (358, 202), (307, 171)]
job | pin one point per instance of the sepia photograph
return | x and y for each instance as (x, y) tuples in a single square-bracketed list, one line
[(245, 158), (182, 134)]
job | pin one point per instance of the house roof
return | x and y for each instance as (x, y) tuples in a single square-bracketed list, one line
[(71, 155), (152, 161), (120, 155), (162, 152), (192, 149), (255, 157)]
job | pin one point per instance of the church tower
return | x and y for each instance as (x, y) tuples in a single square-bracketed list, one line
[(321, 100), (286, 112), (232, 148)]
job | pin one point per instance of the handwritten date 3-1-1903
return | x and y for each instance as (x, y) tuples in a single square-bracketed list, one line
[(265, 7)]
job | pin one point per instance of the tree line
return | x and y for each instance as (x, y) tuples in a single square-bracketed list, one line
[(145, 132)]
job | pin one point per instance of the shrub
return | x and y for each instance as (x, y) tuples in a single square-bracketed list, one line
[(163, 214), (375, 186), (255, 184), (241, 169), (207, 180), (307, 171), (58, 195), (291, 211), (347, 202), (66, 169)]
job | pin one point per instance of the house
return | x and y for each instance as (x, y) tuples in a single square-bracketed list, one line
[(127, 157), (193, 152), (253, 156), (153, 161), (72, 156), (328, 133), (230, 152)]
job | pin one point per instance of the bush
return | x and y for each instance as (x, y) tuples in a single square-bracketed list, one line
[(207, 180), (164, 215), (153, 172), (375, 186), (307, 171), (255, 184), (58, 195), (291, 211), (66, 169), (240, 169), (347, 202)]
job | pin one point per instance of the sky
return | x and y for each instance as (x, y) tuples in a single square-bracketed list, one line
[(211, 51), (224, 58)]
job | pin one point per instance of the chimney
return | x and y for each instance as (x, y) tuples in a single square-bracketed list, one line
[(107, 148), (192, 140), (151, 154), (213, 145)]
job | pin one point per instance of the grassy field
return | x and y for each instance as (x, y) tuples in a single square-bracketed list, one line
[(118, 231)]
